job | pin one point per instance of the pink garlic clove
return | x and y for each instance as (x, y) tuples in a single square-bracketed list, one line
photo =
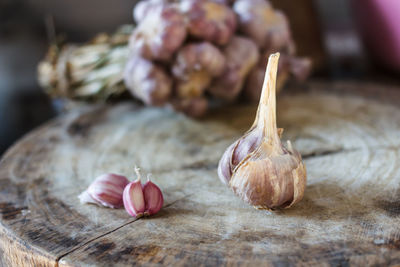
[(153, 198), (106, 190), (133, 199)]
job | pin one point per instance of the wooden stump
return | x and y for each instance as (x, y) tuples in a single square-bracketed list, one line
[(348, 134)]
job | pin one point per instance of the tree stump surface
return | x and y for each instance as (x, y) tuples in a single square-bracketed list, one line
[(347, 132)]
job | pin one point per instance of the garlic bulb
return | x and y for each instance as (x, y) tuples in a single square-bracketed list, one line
[(257, 167)]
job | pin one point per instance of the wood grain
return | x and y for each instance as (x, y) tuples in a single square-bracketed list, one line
[(348, 134)]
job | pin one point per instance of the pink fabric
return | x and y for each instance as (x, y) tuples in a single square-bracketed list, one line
[(380, 26)]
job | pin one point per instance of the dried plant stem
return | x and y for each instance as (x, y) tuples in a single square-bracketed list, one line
[(266, 113)]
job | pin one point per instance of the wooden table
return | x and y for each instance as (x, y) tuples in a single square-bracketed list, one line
[(348, 134)]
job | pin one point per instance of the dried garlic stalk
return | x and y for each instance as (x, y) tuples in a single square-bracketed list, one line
[(93, 71)]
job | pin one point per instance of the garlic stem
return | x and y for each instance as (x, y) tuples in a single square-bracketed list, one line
[(137, 171), (266, 114)]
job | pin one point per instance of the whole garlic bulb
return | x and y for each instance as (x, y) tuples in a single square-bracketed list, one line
[(257, 167)]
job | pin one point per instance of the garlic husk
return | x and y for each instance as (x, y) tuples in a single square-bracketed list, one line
[(236, 152), (269, 180), (85, 198), (258, 168), (106, 190)]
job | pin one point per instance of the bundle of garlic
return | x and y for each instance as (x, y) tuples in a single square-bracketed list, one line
[(257, 167), (92, 71), (181, 54), (184, 53)]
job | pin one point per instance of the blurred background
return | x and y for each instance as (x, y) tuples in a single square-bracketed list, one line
[(346, 39)]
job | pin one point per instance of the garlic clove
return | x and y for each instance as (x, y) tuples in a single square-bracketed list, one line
[(236, 152), (106, 190), (153, 198), (133, 199), (141, 199)]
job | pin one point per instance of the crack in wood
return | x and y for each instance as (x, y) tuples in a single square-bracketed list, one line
[(207, 166), (316, 154), (112, 231), (328, 152), (200, 165)]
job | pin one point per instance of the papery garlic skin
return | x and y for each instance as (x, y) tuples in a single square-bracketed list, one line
[(106, 190), (257, 167), (270, 181), (85, 198), (236, 152), (133, 199)]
